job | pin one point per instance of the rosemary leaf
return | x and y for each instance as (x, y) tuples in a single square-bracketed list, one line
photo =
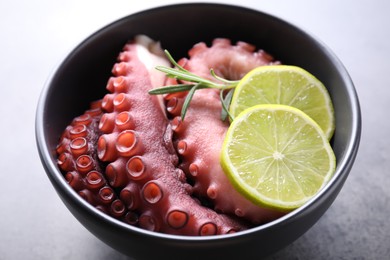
[(187, 101), (225, 101), (172, 60), (171, 89), (231, 83)]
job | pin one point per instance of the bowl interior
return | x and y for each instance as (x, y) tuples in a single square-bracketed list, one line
[(82, 76)]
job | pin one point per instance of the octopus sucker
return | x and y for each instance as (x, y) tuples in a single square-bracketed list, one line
[(149, 222), (208, 229), (84, 119), (106, 194), (121, 102), (200, 136), (75, 180), (94, 180), (84, 163), (124, 120), (117, 208), (177, 219), (128, 143), (106, 147), (131, 195), (107, 122), (132, 171), (152, 192), (79, 130), (107, 103), (65, 160), (119, 84), (78, 146), (136, 168), (116, 173)]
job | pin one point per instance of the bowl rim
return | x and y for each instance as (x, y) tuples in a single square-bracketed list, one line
[(57, 179)]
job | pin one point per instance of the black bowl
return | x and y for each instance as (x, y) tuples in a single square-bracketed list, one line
[(82, 77)]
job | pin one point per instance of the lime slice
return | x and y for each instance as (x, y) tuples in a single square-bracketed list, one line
[(277, 156), (288, 85)]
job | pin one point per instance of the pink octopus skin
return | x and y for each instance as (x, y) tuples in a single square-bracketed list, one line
[(200, 136), (135, 144)]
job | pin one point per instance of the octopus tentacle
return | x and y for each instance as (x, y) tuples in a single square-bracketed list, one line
[(228, 61), (141, 134), (131, 154), (199, 138)]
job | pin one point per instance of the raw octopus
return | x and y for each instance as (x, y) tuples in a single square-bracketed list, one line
[(200, 136), (127, 143), (131, 156)]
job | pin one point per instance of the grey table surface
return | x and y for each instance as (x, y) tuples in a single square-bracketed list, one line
[(35, 36)]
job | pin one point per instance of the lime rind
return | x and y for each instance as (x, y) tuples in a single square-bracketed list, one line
[(291, 164), (288, 85)]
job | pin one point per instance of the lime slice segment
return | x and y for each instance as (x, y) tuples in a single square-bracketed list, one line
[(288, 85), (277, 156)]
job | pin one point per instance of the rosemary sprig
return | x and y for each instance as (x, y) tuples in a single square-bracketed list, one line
[(195, 82)]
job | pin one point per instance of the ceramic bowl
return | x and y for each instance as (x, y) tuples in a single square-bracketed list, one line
[(82, 76)]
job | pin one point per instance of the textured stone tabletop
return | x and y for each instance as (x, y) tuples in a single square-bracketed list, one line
[(35, 36)]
